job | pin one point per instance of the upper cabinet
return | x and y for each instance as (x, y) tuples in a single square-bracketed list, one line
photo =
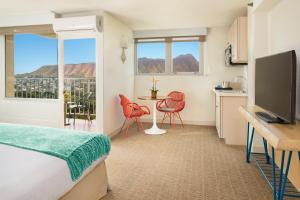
[(238, 39)]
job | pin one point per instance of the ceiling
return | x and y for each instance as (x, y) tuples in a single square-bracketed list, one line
[(142, 14)]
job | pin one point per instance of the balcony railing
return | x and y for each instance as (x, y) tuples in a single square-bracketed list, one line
[(48, 88)]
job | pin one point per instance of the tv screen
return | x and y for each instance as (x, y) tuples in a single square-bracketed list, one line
[(275, 85)]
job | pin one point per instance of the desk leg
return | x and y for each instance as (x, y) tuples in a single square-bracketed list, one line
[(283, 176), (249, 143), (274, 174), (266, 151)]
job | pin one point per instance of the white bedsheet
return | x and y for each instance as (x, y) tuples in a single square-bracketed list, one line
[(30, 175)]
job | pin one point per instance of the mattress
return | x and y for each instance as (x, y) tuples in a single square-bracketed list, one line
[(30, 175)]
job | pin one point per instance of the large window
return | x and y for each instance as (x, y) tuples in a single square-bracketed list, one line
[(31, 63), (151, 57), (169, 56)]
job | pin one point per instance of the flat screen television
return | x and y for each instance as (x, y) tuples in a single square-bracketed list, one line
[(275, 87)]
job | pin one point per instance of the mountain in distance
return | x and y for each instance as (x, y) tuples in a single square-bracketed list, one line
[(185, 63), (82, 70), (151, 65), (181, 63)]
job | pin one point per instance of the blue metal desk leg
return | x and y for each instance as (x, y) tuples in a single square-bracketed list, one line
[(266, 151), (249, 143), (283, 176), (273, 174)]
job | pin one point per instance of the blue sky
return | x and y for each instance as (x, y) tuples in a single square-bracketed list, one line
[(33, 51), (157, 50)]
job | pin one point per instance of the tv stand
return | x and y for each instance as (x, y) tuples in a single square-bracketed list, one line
[(282, 139), (269, 119)]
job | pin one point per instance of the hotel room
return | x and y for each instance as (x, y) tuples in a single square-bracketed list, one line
[(149, 100)]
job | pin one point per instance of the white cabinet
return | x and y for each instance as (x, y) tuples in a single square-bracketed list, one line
[(238, 39), (229, 123), (218, 116)]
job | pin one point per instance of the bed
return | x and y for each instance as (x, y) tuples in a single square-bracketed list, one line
[(33, 174)]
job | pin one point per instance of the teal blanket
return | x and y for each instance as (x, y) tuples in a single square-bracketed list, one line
[(78, 148)]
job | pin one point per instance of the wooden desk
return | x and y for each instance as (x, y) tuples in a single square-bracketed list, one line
[(284, 137)]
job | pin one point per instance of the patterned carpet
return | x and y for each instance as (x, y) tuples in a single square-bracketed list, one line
[(184, 164)]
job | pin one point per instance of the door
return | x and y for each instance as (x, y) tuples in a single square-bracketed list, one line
[(79, 84)]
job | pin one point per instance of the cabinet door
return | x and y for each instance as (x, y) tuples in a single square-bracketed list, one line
[(218, 116), (239, 41), (243, 39), (234, 45), (230, 35)]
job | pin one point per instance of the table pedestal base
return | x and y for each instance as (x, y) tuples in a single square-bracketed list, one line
[(155, 131)]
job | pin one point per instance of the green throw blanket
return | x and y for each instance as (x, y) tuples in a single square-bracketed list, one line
[(78, 148)]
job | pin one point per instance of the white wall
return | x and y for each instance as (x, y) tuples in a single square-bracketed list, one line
[(118, 77), (274, 29), (36, 112), (200, 108), (285, 34)]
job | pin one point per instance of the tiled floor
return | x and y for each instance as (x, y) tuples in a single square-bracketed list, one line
[(82, 125)]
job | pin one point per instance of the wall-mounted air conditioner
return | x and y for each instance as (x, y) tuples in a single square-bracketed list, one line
[(84, 23)]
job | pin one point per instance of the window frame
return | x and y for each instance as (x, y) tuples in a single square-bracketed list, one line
[(35, 31), (169, 55)]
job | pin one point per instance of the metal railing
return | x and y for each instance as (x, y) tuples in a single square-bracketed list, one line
[(47, 88), (78, 88)]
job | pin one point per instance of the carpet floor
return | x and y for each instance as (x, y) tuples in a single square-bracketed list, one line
[(184, 164)]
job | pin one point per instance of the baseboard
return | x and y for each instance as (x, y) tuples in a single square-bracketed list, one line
[(114, 133), (186, 122)]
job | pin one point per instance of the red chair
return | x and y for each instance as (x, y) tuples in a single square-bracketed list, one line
[(133, 111), (172, 106)]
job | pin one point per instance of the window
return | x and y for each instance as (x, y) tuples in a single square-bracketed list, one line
[(185, 56), (151, 57), (31, 63), (182, 55)]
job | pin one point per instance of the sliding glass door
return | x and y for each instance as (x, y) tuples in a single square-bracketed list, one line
[(79, 69)]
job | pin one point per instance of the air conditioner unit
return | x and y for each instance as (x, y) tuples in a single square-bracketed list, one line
[(83, 23)]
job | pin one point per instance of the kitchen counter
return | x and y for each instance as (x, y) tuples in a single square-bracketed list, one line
[(230, 93)]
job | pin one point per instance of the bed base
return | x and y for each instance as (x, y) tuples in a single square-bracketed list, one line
[(93, 186)]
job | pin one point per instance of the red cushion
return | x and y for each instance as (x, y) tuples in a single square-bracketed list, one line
[(137, 113)]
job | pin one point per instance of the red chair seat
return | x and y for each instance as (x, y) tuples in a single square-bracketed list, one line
[(137, 113), (133, 111), (172, 106), (166, 109)]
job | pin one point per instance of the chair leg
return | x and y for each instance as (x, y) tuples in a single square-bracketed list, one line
[(69, 115), (137, 124), (126, 132), (140, 124), (162, 122), (173, 120), (180, 119), (170, 115), (123, 125), (74, 116)]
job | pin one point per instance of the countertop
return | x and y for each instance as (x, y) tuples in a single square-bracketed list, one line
[(230, 93)]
